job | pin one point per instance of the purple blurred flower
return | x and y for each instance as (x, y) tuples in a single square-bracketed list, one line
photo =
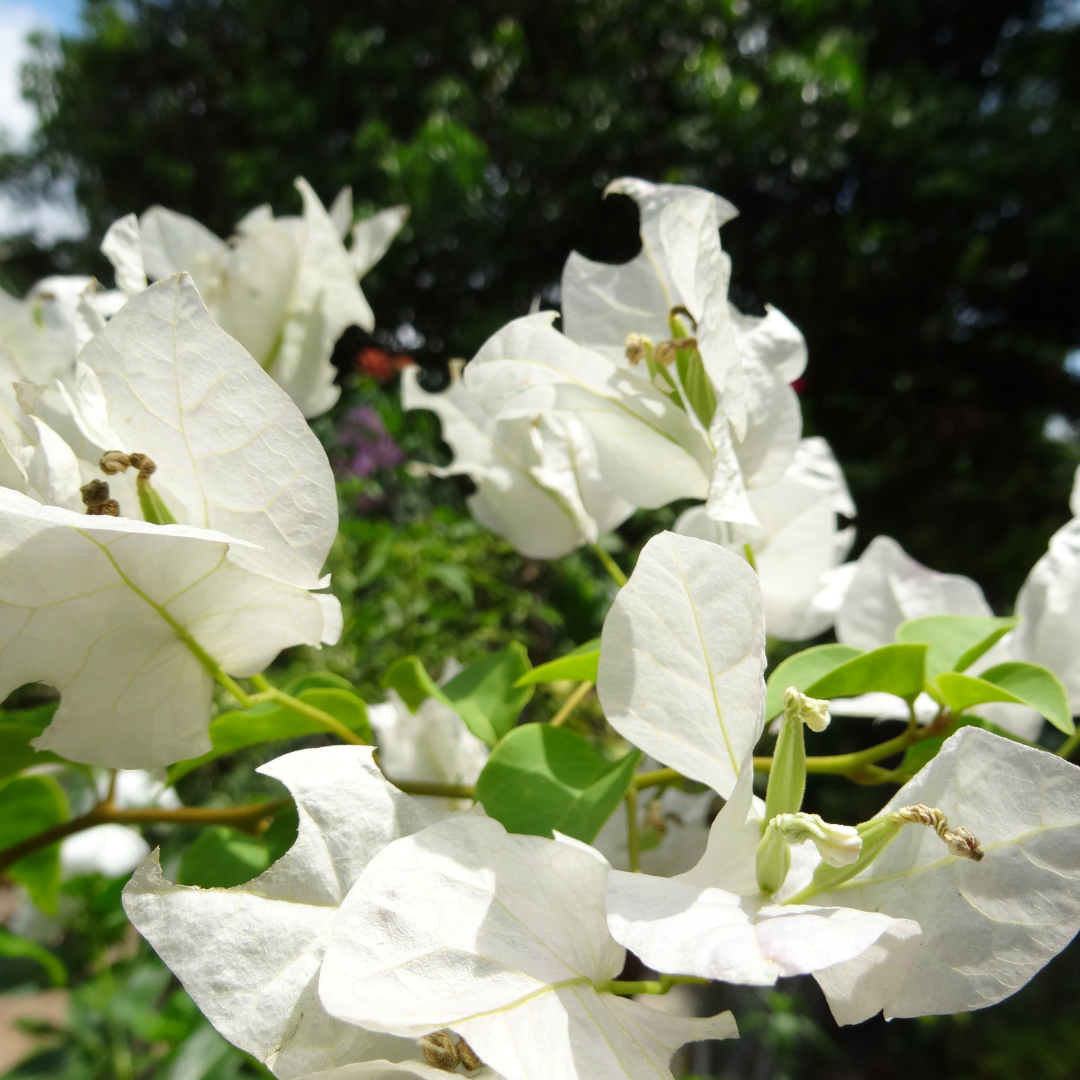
[(367, 444)]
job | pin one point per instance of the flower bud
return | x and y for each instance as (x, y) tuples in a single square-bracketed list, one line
[(838, 845), (638, 348), (813, 712), (439, 1050), (773, 860), (665, 353), (879, 832), (95, 497)]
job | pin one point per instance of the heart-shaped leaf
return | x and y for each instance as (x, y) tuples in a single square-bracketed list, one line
[(580, 663), (1017, 682), (541, 778), (955, 641), (802, 670), (892, 669)]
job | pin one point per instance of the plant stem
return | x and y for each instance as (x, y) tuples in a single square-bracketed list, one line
[(579, 694), (647, 986), (633, 840), (246, 818), (331, 723), (610, 565), (859, 765), (433, 787), (1066, 749)]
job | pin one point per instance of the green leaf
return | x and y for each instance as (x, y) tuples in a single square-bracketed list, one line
[(19, 947), (892, 669), (412, 682), (221, 858), (30, 805), (270, 721), (1015, 681), (541, 778), (956, 641), (39, 717), (802, 670), (484, 694), (16, 753), (580, 664)]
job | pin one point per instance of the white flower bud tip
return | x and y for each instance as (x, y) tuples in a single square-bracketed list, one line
[(814, 712), (838, 845)]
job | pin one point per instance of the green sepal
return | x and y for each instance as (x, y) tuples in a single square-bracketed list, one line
[(892, 669), (580, 664), (955, 641), (541, 778), (787, 775), (802, 670), (1016, 682), (153, 505)]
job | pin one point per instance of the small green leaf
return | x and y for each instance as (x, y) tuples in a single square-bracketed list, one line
[(541, 778), (1016, 682), (892, 669), (270, 721), (221, 858), (802, 670), (30, 805), (412, 682), (16, 753), (39, 717), (956, 641), (484, 694), (580, 664), (13, 947), (319, 680)]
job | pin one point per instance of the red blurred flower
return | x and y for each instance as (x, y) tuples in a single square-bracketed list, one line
[(380, 364)]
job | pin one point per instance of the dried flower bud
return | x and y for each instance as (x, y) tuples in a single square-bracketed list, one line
[(116, 461), (439, 1050), (958, 840), (813, 712), (467, 1056), (654, 817), (113, 462), (665, 353), (638, 347), (95, 497), (680, 309)]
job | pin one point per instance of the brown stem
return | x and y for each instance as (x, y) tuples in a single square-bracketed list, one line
[(246, 818)]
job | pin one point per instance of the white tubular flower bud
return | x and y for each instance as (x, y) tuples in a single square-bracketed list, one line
[(838, 845), (813, 712)]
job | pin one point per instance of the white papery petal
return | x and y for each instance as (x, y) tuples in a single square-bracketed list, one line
[(249, 956), (172, 243), (648, 450), (889, 587), (857, 989), (122, 248), (109, 850), (232, 451), (1049, 609), (390, 1070), (774, 340), (83, 606), (501, 459), (987, 926), (497, 936), (687, 929), (372, 237), (682, 656)]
